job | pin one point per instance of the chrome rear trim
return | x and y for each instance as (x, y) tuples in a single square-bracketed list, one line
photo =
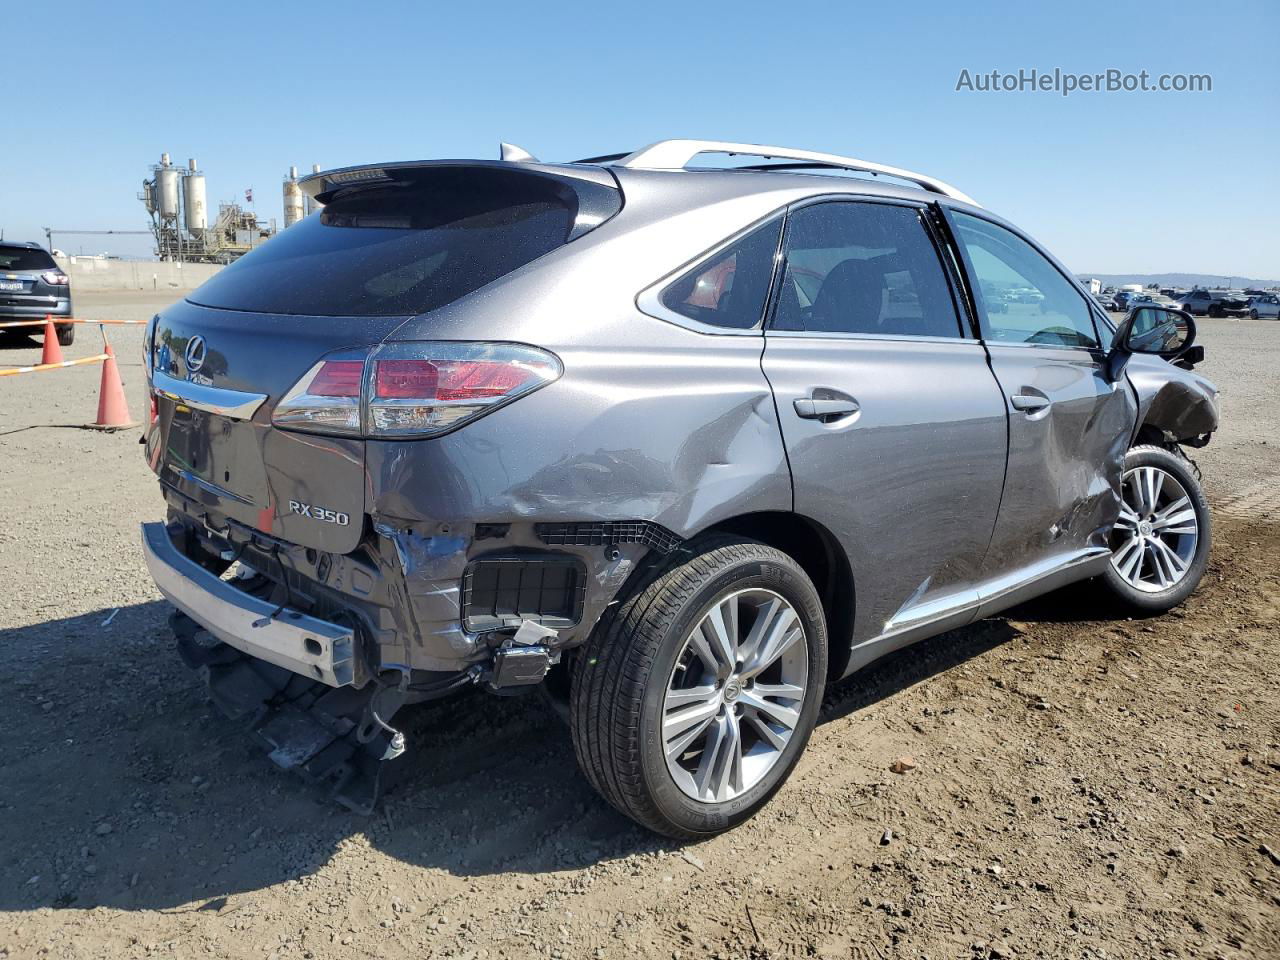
[(233, 404)]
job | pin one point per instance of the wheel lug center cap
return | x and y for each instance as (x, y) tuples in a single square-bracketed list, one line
[(1144, 528), (731, 690)]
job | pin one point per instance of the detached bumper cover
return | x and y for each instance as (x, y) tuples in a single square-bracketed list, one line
[(305, 645)]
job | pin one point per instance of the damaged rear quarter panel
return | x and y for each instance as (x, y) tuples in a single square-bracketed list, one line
[(678, 437), (684, 436)]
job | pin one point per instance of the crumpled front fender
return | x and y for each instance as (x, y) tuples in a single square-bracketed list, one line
[(1180, 403)]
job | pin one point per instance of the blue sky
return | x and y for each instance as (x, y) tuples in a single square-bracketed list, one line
[(1112, 182)]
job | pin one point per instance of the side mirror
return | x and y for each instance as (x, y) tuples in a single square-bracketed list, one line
[(1155, 330)]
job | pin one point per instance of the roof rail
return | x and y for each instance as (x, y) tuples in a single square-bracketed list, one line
[(677, 154)]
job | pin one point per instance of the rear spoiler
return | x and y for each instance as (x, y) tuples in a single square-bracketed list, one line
[(325, 186), (593, 193)]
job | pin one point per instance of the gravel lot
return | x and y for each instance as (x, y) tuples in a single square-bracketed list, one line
[(1083, 787)]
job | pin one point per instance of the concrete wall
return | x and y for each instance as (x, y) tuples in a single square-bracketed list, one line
[(89, 274)]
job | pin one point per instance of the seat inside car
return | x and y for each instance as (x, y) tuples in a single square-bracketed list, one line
[(851, 298)]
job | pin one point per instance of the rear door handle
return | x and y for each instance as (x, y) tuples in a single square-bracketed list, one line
[(812, 409), (1029, 402)]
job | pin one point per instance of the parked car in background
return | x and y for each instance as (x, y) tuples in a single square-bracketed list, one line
[(1264, 306), (1212, 303), (678, 445), (1120, 300), (1152, 300), (32, 287)]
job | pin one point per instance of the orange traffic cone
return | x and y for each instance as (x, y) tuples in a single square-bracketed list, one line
[(52, 350), (113, 409)]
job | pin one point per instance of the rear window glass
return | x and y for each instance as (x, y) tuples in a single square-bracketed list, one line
[(401, 249), (729, 290), (24, 258)]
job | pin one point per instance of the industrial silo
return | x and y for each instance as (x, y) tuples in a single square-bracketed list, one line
[(308, 203), (292, 199), (167, 188), (193, 197)]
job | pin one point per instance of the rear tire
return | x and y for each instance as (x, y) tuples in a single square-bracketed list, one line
[(1160, 544), (1253, 314), (644, 671), (66, 335)]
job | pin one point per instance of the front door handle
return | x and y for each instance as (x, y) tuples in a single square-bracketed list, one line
[(1029, 402), (810, 408)]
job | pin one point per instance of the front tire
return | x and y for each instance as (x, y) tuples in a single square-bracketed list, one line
[(695, 696), (1160, 544), (1253, 314), (66, 334)]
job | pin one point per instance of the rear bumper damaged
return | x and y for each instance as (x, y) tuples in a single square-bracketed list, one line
[(316, 652), (305, 645), (330, 735)]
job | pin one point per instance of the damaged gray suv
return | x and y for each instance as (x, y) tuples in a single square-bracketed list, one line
[(677, 444)]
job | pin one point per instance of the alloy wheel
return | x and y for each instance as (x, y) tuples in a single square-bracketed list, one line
[(735, 694), (1154, 541)]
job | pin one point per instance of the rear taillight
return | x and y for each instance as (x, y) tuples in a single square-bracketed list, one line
[(413, 389), (326, 399), (55, 279), (337, 378)]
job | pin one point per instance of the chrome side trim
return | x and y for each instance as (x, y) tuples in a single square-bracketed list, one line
[(915, 623), (678, 154), (233, 404), (992, 592), (314, 648), (1040, 578)]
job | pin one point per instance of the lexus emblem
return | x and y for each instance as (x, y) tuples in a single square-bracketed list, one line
[(195, 354)]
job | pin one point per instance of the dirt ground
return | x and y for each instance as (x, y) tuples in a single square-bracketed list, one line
[(1084, 786)]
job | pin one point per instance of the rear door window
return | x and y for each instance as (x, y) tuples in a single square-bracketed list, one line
[(405, 248), (864, 268)]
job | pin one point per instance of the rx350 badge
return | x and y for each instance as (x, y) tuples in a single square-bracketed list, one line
[(322, 514)]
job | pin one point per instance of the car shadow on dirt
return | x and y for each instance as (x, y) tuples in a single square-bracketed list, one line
[(129, 790), (15, 340)]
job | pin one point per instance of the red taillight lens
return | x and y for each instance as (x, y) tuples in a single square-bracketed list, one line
[(422, 389), (477, 380), (449, 380), (337, 378), (416, 389), (326, 399), (55, 279), (405, 379)]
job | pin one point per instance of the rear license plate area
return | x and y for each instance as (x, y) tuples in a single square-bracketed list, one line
[(219, 455)]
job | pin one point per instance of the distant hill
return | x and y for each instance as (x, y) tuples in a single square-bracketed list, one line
[(1180, 280)]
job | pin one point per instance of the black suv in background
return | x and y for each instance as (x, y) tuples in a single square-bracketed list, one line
[(33, 286)]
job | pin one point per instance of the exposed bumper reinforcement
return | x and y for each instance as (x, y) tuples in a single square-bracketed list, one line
[(324, 733), (314, 648)]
